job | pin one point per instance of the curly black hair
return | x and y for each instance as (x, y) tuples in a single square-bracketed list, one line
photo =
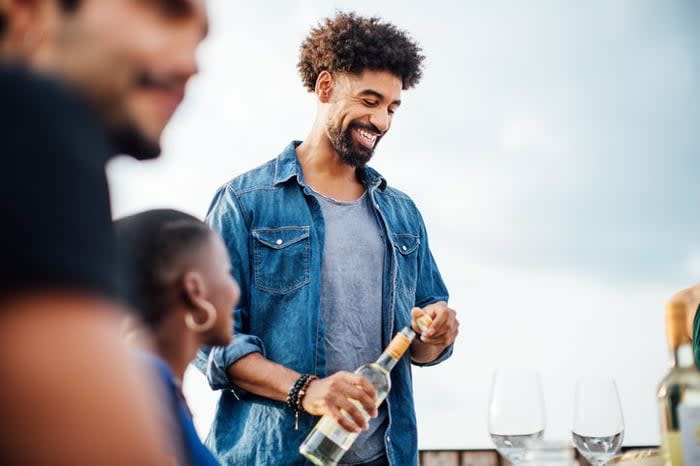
[(351, 43), (152, 246)]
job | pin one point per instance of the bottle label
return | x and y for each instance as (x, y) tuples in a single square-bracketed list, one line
[(332, 430), (398, 346), (671, 448), (689, 420)]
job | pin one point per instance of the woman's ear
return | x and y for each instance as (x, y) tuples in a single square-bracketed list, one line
[(203, 315), (193, 287)]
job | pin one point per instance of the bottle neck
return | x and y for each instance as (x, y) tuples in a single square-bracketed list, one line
[(397, 347), (386, 362), (682, 356)]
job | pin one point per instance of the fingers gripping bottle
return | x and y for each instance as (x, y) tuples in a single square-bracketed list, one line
[(328, 441)]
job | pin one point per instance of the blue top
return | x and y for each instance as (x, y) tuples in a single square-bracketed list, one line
[(273, 228), (187, 446)]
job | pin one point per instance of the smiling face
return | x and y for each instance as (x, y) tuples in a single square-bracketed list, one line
[(361, 110), (133, 59)]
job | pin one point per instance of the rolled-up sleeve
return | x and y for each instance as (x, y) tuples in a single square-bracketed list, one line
[(227, 218), (213, 362)]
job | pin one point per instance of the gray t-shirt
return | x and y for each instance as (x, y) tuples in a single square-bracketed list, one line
[(351, 301)]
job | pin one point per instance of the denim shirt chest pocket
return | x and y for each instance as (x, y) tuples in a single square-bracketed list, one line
[(406, 246), (281, 258)]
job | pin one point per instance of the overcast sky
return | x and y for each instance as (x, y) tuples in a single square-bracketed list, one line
[(553, 148)]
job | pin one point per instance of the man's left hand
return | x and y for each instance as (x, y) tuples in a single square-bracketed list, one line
[(445, 326)]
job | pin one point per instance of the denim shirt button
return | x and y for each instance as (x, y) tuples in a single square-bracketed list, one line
[(404, 247), (279, 241)]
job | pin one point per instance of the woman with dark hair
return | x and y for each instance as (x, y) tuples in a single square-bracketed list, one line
[(178, 280)]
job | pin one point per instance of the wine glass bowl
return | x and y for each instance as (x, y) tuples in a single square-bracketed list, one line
[(516, 411), (598, 427)]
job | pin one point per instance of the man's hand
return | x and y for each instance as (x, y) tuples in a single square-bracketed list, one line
[(690, 297), (332, 396), (441, 334)]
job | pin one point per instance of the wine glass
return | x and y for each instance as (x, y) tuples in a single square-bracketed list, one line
[(516, 411), (598, 427)]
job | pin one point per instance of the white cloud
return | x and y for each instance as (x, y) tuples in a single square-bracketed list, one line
[(529, 134)]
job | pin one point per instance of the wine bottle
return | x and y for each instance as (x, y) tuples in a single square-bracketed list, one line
[(678, 396), (328, 441)]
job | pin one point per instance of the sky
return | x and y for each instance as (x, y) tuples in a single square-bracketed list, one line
[(553, 150)]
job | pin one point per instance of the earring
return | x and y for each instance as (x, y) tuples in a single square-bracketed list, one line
[(207, 324)]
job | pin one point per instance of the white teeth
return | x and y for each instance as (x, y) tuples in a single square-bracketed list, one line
[(368, 136)]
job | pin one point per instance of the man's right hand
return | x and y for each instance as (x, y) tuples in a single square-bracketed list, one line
[(332, 395), (690, 297)]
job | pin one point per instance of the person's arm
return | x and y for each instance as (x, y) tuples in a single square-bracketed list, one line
[(71, 392), (329, 395), (690, 297), (436, 344), (242, 366)]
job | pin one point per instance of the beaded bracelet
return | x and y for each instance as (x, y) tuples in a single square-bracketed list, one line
[(296, 394)]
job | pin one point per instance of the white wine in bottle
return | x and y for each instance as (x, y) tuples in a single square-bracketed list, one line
[(328, 441), (679, 395)]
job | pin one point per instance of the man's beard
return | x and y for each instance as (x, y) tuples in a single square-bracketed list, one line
[(348, 150), (108, 101), (128, 139)]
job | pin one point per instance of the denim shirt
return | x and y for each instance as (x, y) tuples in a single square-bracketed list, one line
[(273, 229)]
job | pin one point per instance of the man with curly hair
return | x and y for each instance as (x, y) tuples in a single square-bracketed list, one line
[(332, 262)]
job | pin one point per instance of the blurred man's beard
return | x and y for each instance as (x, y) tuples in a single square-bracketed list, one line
[(348, 150), (105, 85), (129, 140)]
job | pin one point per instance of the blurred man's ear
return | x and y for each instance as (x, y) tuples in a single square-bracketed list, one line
[(27, 24), (3, 19)]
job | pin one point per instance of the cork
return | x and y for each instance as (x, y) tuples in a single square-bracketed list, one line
[(424, 322)]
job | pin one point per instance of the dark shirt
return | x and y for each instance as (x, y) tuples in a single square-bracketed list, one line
[(186, 446), (56, 230)]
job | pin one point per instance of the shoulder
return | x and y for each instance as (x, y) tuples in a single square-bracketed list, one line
[(155, 366), (400, 199), (370, 177), (269, 175), (260, 177), (45, 120), (25, 93), (239, 195), (53, 188), (398, 195)]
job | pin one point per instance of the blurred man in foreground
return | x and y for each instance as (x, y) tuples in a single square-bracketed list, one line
[(71, 393)]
